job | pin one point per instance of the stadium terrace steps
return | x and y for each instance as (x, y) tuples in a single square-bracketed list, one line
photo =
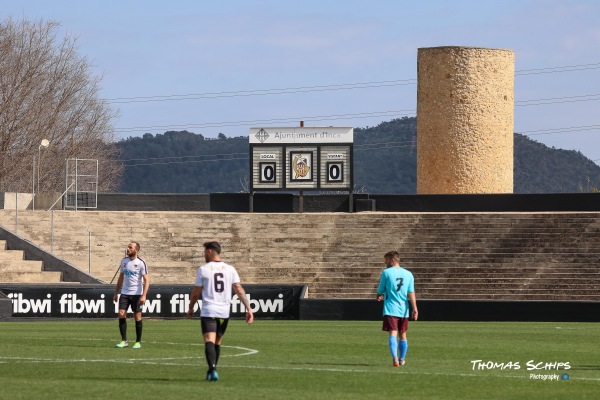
[(20, 266), (26, 271), (518, 256), (15, 269), (30, 277), (12, 255)]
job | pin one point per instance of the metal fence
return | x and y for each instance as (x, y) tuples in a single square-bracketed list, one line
[(81, 183)]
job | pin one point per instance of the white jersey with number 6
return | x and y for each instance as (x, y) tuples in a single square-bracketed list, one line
[(216, 279)]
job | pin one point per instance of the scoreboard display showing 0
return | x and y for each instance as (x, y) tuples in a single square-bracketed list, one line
[(335, 172), (267, 172)]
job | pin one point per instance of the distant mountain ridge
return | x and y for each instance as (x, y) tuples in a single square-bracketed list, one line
[(384, 162)]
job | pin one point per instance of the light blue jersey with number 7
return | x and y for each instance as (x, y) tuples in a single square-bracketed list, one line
[(394, 284)]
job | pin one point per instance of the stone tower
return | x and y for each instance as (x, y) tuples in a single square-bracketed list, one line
[(465, 120)]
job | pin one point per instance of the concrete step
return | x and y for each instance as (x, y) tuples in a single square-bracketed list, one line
[(12, 255), (498, 284), (425, 278), (19, 265), (442, 290), (30, 277), (548, 295), (493, 268), (509, 258), (157, 272)]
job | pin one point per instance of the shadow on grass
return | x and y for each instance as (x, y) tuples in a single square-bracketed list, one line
[(585, 368), (333, 364), (195, 378)]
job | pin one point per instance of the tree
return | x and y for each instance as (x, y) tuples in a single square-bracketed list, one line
[(47, 92)]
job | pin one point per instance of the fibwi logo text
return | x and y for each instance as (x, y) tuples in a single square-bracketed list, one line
[(180, 303), (70, 304), (264, 305), (25, 306), (168, 303)]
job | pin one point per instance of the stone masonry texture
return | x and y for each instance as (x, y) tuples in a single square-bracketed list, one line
[(465, 120)]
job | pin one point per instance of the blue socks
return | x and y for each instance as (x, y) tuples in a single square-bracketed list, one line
[(394, 346), (403, 347), (398, 346)]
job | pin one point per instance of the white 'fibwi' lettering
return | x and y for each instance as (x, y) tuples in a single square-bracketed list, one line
[(25, 306), (152, 306), (70, 304), (268, 305), (179, 303)]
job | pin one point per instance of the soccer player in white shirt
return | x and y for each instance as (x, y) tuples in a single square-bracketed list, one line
[(214, 282), (132, 285)]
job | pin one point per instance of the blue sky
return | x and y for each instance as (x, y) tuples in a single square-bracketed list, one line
[(211, 67)]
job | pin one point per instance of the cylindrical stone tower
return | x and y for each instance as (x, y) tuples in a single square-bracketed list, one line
[(465, 120)]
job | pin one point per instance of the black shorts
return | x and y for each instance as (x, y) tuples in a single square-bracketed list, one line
[(210, 324), (133, 300)]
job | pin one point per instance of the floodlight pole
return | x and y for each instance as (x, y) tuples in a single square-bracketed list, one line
[(33, 184), (38, 167), (44, 144)]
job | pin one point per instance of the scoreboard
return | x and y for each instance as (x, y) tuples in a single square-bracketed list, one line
[(301, 158)]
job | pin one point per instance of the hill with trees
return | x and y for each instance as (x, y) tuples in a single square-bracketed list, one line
[(384, 162)]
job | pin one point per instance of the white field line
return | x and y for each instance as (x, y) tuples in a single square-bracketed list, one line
[(152, 361), (400, 370), (162, 361), (247, 352)]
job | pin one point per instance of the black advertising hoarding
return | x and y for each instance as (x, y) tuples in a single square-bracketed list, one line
[(163, 301)]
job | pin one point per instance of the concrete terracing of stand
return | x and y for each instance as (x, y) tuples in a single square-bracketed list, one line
[(15, 268), (512, 256)]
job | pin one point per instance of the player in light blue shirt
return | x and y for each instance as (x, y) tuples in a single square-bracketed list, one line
[(397, 290)]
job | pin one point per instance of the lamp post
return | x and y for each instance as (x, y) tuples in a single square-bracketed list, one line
[(45, 143)]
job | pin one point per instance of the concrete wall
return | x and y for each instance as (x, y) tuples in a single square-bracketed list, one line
[(455, 310), (289, 203), (465, 120), (24, 201), (12, 201)]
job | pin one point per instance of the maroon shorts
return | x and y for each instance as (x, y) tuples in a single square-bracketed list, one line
[(391, 323)]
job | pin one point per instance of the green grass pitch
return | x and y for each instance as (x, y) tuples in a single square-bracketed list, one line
[(298, 360)]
